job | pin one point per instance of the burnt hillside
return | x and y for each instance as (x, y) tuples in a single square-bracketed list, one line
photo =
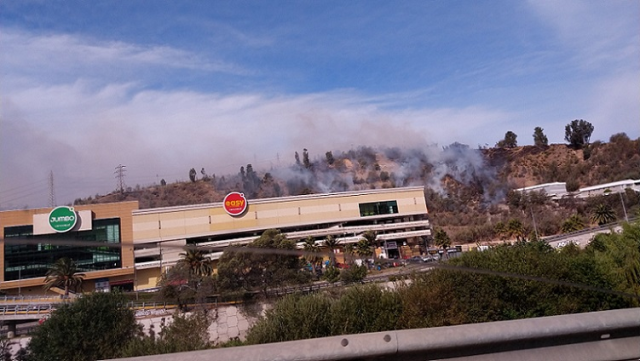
[(468, 191)]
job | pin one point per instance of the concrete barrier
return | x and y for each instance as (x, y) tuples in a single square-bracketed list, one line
[(605, 335)]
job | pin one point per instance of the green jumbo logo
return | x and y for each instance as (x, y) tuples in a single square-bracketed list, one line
[(62, 219)]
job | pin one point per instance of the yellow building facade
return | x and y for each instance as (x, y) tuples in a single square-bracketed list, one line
[(134, 246), (98, 237), (399, 216)]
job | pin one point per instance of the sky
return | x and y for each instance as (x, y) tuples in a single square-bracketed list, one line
[(165, 86)]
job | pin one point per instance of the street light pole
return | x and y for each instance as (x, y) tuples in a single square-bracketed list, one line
[(626, 218), (535, 227)]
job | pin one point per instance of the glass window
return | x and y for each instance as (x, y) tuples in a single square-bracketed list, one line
[(33, 258), (377, 208)]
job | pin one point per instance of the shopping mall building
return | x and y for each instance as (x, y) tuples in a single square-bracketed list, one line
[(134, 246)]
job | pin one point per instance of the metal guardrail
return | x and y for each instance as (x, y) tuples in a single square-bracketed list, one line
[(34, 311), (31, 299), (603, 228), (26, 311), (605, 335)]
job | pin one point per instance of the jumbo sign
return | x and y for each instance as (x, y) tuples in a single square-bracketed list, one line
[(235, 204), (62, 219)]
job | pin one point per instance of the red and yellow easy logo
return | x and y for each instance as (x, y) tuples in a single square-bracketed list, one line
[(234, 203)]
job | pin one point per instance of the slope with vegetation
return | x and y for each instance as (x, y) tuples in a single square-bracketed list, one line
[(469, 192), (528, 279)]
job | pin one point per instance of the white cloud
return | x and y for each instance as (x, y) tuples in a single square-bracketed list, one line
[(80, 107), (50, 55), (615, 106), (167, 133), (601, 32)]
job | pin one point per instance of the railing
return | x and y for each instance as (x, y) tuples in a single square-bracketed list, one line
[(605, 335), (603, 228), (30, 299), (26, 311)]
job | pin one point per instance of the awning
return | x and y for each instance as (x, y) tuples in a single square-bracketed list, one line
[(121, 282)]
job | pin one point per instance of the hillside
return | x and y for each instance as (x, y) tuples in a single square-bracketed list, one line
[(468, 191)]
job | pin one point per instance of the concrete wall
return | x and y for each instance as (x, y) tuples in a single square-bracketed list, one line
[(229, 323)]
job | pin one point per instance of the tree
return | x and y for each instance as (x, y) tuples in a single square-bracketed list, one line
[(297, 157), (539, 139), (572, 224), (205, 176), (163, 182), (516, 229), (192, 175), (181, 285), (312, 251), (442, 240), (332, 243), (372, 238), (509, 140), (349, 251), (305, 158), (578, 133), (64, 274), (363, 248), (269, 261), (92, 327), (330, 159), (603, 214), (196, 262)]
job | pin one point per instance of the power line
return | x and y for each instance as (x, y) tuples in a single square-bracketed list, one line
[(23, 187)]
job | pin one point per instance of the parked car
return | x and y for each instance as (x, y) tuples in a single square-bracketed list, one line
[(428, 258)]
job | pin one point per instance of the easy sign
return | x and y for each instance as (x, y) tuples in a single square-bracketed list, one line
[(63, 219), (235, 204)]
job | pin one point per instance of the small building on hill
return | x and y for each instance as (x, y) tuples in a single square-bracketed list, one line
[(609, 188), (555, 190)]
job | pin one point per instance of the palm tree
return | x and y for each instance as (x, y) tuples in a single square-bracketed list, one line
[(64, 274), (603, 214), (371, 237), (363, 248), (332, 243), (572, 224), (515, 228), (311, 251), (349, 250), (197, 262)]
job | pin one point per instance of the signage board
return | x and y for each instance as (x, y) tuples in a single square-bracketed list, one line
[(102, 285), (235, 204), (62, 219), (392, 245)]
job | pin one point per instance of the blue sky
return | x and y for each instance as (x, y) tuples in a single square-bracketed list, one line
[(163, 86)]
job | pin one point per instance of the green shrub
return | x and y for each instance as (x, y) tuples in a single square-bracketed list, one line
[(353, 274), (90, 328), (187, 332), (294, 317), (331, 274)]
